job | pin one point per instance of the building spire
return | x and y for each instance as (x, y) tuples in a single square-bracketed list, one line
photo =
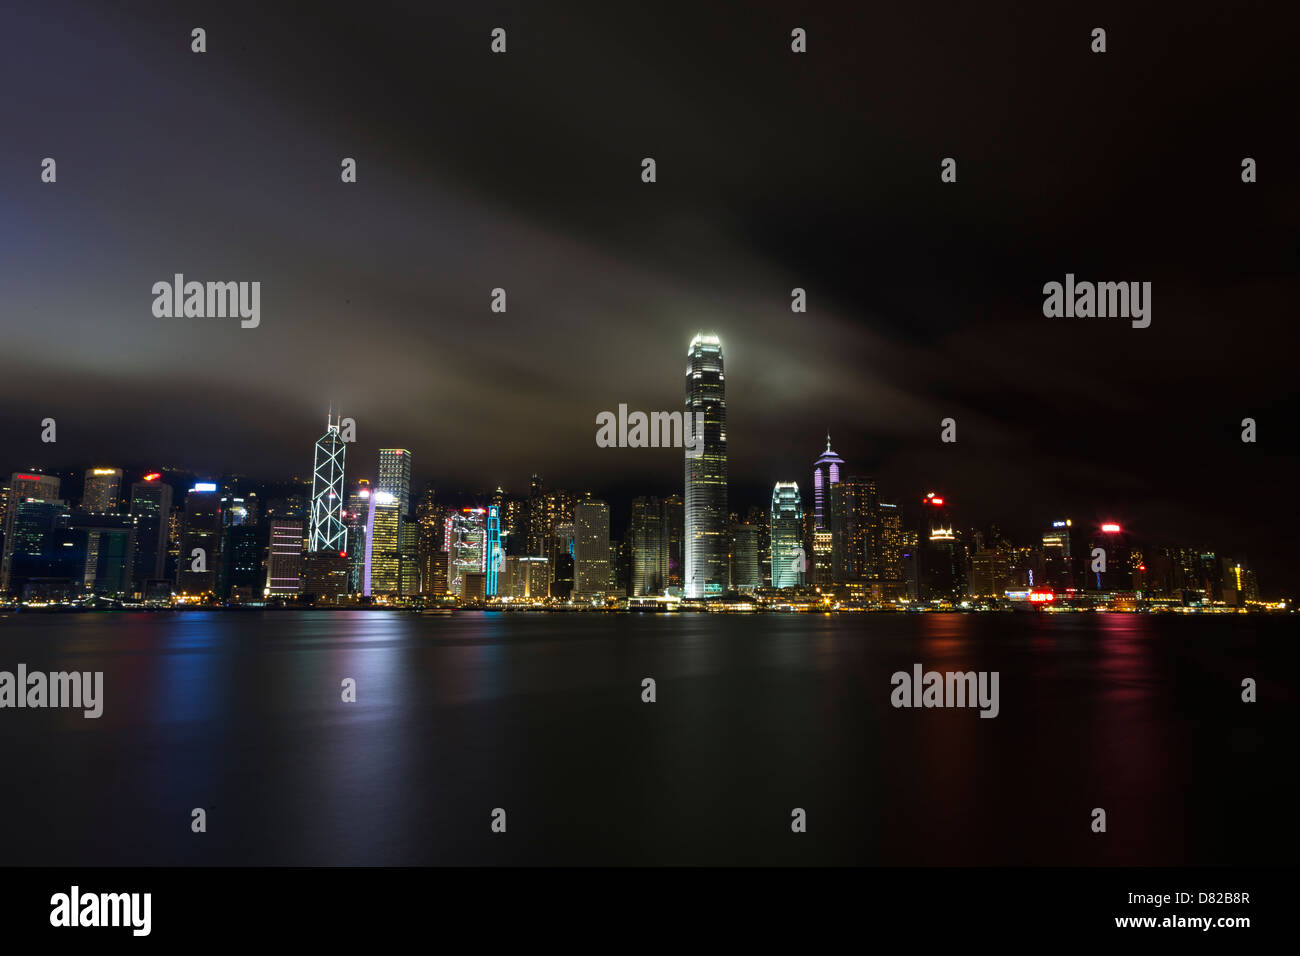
[(828, 439)]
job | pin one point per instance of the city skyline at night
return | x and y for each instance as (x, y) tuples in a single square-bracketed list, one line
[(575, 437), (852, 534)]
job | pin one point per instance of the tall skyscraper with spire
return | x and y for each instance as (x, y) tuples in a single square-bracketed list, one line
[(826, 472), (789, 560), (327, 530), (706, 542)]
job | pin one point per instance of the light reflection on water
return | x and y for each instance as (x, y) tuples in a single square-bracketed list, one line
[(542, 714)]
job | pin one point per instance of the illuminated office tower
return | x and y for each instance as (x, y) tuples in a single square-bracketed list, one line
[(325, 577), (514, 524), (529, 578), (1058, 561), (911, 565), (200, 553), (761, 519), (45, 559), (429, 518), (241, 569), (395, 477), (590, 548), (408, 559), (560, 556), (327, 531), (433, 573), (102, 488), (826, 472), (706, 539), (23, 534), (466, 546), (562, 541), (356, 516), (151, 504), (620, 567), (890, 555), (284, 558), (1239, 583), (1117, 548), (547, 512), (745, 566), (821, 558), (674, 514), (109, 539), (534, 533), (853, 517), (241, 577), (990, 573), (496, 556), (942, 554), (382, 563), (788, 559), (647, 534), (28, 485)]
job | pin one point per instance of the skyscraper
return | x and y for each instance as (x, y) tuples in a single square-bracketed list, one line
[(826, 472), (466, 547), (200, 554), (853, 517), (942, 554), (24, 527), (1058, 560), (788, 558), (284, 560), (547, 512), (101, 490), (591, 548), (241, 570), (496, 556), (395, 477), (745, 565), (674, 514), (1116, 547), (706, 534), (44, 558), (383, 546), (647, 534), (890, 555), (151, 503), (327, 531), (408, 558), (356, 518)]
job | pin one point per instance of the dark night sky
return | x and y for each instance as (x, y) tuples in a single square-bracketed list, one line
[(775, 170)]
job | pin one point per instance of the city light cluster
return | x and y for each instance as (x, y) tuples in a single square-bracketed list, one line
[(170, 541)]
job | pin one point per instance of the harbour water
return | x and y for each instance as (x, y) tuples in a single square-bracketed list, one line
[(541, 715)]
